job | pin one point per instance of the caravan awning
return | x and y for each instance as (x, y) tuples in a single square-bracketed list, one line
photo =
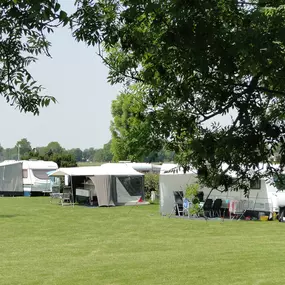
[(76, 171), (119, 169), (106, 169)]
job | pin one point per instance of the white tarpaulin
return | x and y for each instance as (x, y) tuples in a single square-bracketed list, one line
[(168, 183)]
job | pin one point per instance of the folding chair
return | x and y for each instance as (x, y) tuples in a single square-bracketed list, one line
[(207, 207), (178, 204), (55, 194), (216, 209), (186, 207), (237, 209), (66, 197)]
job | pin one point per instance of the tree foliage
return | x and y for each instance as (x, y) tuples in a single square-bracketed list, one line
[(151, 183), (197, 60), (24, 25), (24, 146), (130, 134), (63, 159), (103, 154), (54, 147)]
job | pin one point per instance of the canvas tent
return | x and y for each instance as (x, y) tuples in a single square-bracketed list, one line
[(262, 196), (113, 184), (11, 178)]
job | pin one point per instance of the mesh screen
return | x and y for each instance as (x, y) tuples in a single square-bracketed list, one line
[(129, 189), (11, 178)]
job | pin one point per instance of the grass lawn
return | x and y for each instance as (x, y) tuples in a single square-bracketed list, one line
[(43, 243)]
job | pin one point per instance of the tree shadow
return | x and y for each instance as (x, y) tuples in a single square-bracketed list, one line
[(8, 216)]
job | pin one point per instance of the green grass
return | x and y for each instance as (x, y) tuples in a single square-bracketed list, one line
[(43, 243)]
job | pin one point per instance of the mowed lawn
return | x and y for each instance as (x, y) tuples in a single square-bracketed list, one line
[(43, 243)]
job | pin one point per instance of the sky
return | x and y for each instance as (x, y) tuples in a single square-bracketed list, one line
[(77, 78)]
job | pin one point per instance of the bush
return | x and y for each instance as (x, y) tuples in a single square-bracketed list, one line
[(151, 183), (191, 194)]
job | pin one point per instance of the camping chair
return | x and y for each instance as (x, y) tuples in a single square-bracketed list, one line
[(234, 209), (216, 209), (186, 207), (178, 204), (240, 209), (207, 207), (66, 197), (55, 194)]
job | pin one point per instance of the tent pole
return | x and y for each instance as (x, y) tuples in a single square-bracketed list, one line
[(71, 185)]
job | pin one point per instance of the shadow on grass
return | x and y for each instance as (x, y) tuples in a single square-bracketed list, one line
[(8, 216)]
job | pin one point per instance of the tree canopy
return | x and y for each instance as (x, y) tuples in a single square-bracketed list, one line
[(24, 25), (197, 60), (24, 146), (130, 134)]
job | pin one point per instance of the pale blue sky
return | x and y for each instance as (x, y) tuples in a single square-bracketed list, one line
[(78, 79)]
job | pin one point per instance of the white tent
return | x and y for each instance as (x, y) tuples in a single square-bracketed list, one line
[(114, 184), (262, 195)]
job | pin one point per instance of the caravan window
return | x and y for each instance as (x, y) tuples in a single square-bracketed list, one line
[(41, 173), (255, 184), (25, 173)]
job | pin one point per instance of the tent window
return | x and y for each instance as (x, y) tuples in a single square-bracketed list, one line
[(255, 184), (25, 173), (41, 173), (133, 185)]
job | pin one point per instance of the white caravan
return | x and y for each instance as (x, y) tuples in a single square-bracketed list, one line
[(263, 197), (31, 174)]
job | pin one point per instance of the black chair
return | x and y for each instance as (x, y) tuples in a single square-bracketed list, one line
[(200, 196), (208, 207), (216, 209)]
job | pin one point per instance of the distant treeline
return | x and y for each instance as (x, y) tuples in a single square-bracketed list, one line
[(70, 157)]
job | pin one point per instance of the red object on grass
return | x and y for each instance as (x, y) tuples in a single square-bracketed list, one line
[(140, 200)]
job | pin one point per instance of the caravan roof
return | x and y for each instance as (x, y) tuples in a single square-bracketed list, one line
[(34, 164), (179, 170), (9, 162)]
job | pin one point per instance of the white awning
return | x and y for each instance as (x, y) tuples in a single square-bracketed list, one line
[(106, 169), (76, 171)]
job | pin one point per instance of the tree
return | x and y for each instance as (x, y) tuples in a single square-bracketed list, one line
[(107, 154), (151, 183), (88, 154), (98, 155), (2, 154), (103, 154), (76, 153), (54, 147), (130, 134), (197, 60), (23, 146), (23, 28), (62, 159)]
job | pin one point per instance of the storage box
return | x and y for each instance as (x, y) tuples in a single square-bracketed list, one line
[(263, 218)]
